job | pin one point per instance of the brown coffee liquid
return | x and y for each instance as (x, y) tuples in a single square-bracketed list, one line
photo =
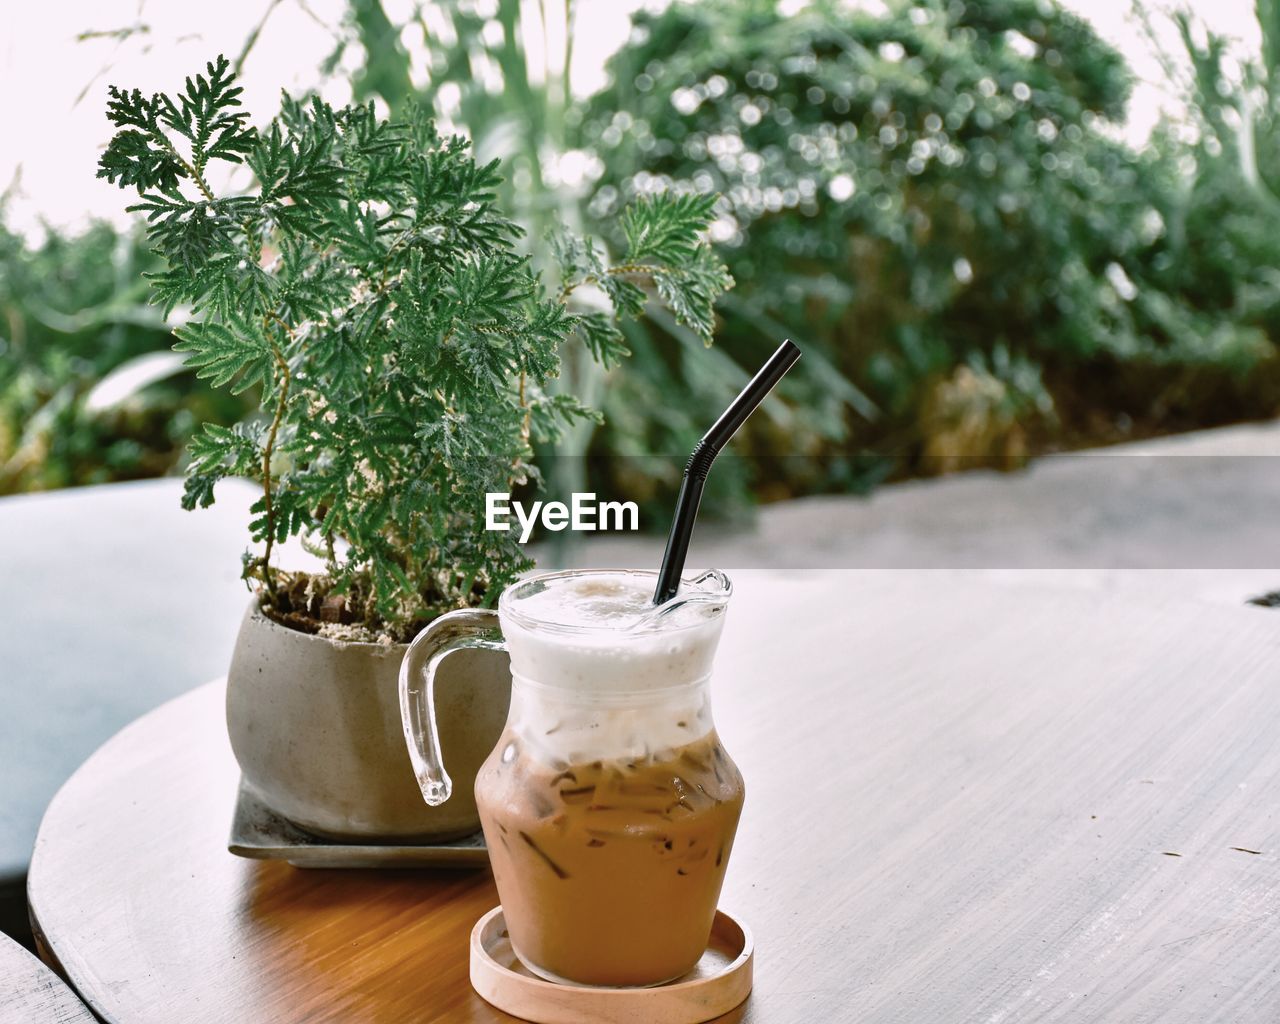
[(609, 872)]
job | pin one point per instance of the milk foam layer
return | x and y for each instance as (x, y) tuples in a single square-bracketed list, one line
[(604, 673)]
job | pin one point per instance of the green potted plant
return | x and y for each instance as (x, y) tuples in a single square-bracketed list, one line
[(360, 279)]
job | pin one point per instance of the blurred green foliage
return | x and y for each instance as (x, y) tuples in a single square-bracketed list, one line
[(1224, 246), (73, 311), (934, 198)]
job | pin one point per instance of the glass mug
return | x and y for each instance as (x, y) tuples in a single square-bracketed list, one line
[(609, 806)]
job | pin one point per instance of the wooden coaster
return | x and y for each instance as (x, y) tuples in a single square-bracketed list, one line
[(720, 981)]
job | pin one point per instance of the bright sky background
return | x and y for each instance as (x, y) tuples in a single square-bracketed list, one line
[(52, 128)]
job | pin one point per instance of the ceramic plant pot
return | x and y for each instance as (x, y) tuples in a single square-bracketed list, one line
[(315, 726)]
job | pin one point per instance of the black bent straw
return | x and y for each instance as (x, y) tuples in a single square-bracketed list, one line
[(704, 453)]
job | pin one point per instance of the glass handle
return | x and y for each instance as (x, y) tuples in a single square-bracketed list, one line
[(467, 628)]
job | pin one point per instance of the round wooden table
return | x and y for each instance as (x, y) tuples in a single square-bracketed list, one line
[(965, 802)]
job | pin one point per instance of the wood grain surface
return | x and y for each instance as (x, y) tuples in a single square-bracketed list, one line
[(965, 802), (30, 993)]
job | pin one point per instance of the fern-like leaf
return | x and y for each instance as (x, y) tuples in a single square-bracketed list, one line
[(227, 354), (691, 288), (208, 114), (666, 228)]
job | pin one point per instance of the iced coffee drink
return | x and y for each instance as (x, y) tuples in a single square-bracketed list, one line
[(609, 806)]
